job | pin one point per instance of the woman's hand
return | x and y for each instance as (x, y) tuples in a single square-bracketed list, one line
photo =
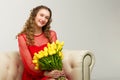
[(54, 73)]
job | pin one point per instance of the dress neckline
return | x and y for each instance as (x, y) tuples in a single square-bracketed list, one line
[(39, 45), (36, 35)]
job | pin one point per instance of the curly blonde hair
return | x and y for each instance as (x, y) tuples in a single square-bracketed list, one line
[(29, 29)]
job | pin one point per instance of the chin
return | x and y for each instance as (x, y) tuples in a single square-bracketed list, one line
[(40, 26)]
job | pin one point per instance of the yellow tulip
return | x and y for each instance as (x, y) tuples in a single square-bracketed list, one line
[(35, 61), (49, 48), (53, 43), (57, 42), (35, 57), (36, 68), (45, 49), (59, 47), (45, 53), (53, 46), (62, 56), (41, 56), (48, 44), (37, 65), (40, 52), (62, 43), (53, 51), (35, 54), (50, 52)]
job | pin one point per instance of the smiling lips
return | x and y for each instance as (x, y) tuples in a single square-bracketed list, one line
[(42, 22)]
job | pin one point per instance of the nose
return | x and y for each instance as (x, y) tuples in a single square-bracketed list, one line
[(43, 18)]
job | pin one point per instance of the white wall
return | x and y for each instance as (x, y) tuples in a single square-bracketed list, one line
[(82, 24)]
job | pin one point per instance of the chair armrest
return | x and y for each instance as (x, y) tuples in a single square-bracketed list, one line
[(10, 66), (78, 64)]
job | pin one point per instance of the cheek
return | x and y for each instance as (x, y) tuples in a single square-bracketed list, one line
[(46, 21), (36, 18)]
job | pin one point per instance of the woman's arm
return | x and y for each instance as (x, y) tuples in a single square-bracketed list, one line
[(26, 56), (53, 36)]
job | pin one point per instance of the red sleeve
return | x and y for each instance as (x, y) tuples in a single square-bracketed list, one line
[(26, 56), (53, 36)]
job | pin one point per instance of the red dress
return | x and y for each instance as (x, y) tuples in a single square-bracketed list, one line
[(27, 52)]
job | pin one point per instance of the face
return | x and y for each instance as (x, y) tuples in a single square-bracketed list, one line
[(42, 17)]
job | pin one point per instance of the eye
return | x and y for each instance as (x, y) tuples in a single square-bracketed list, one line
[(47, 17), (41, 15)]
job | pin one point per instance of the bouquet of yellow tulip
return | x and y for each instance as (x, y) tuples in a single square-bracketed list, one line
[(50, 58)]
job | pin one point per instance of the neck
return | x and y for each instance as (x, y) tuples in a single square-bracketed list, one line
[(38, 30)]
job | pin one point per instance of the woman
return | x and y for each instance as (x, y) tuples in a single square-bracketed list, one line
[(33, 38)]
